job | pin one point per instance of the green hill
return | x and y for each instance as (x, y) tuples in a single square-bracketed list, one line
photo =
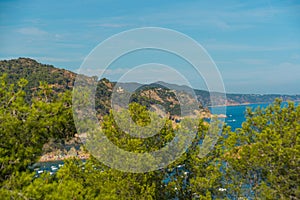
[(157, 93), (61, 80)]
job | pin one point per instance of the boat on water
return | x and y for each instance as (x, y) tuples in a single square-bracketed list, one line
[(54, 168)]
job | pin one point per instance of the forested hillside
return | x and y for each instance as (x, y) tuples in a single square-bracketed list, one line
[(258, 161), (61, 80), (58, 79)]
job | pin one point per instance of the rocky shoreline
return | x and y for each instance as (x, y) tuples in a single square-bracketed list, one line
[(61, 149), (53, 156)]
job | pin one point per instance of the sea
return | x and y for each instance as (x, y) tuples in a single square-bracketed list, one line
[(235, 114)]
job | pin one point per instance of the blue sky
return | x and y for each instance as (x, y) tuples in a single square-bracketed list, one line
[(255, 44)]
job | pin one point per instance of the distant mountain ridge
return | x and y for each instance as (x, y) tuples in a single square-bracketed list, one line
[(232, 99), (61, 80)]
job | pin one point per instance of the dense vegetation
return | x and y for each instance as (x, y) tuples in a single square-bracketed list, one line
[(260, 160), (62, 80), (58, 79), (25, 127)]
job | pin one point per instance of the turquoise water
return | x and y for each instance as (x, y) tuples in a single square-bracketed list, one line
[(236, 114)]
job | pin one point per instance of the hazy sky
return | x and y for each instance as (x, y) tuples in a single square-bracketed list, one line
[(255, 44)]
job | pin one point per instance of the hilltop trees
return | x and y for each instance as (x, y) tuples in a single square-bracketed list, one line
[(60, 80)]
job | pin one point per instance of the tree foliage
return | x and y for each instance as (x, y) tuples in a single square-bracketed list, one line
[(265, 153), (258, 161), (26, 127)]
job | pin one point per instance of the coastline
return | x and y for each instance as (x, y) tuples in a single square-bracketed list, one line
[(245, 104), (61, 158), (58, 155), (241, 104)]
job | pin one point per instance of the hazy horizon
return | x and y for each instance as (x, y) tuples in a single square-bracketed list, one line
[(255, 45)]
